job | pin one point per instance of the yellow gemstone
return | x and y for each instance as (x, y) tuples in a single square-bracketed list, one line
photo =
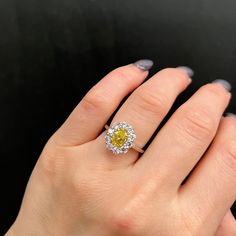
[(119, 137)]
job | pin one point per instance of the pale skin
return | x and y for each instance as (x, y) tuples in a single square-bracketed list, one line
[(78, 187)]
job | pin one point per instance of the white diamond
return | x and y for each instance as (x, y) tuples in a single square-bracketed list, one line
[(128, 144)]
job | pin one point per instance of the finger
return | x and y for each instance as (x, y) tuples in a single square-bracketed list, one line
[(185, 137), (89, 117), (211, 186), (148, 105), (227, 226)]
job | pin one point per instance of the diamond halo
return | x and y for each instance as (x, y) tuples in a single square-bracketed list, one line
[(120, 137)]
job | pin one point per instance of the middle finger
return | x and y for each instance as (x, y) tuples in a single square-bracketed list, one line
[(185, 137), (148, 105)]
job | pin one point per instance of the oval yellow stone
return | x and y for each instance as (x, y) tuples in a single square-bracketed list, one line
[(119, 137)]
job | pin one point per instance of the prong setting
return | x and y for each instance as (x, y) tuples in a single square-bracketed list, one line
[(120, 137)]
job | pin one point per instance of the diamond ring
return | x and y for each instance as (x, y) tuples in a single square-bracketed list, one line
[(120, 138)]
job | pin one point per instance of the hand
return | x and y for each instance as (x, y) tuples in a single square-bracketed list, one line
[(78, 187)]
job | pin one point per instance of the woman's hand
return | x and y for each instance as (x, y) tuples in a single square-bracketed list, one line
[(79, 187)]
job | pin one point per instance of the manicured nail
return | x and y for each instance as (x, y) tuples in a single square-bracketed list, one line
[(144, 64), (230, 115), (224, 83), (187, 70)]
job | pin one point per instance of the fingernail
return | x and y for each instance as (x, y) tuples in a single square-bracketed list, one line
[(230, 114), (224, 83), (187, 70), (144, 64)]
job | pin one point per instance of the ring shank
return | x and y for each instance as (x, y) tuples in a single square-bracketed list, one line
[(136, 148)]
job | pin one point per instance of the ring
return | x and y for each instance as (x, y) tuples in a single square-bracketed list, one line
[(120, 138)]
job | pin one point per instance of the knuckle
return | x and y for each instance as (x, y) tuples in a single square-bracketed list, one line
[(199, 124), (128, 223), (223, 228), (94, 101), (123, 224), (123, 74), (156, 104)]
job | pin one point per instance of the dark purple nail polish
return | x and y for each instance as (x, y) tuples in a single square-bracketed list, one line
[(230, 115), (187, 70), (224, 83), (144, 64)]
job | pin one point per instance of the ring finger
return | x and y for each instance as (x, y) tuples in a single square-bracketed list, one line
[(148, 105)]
